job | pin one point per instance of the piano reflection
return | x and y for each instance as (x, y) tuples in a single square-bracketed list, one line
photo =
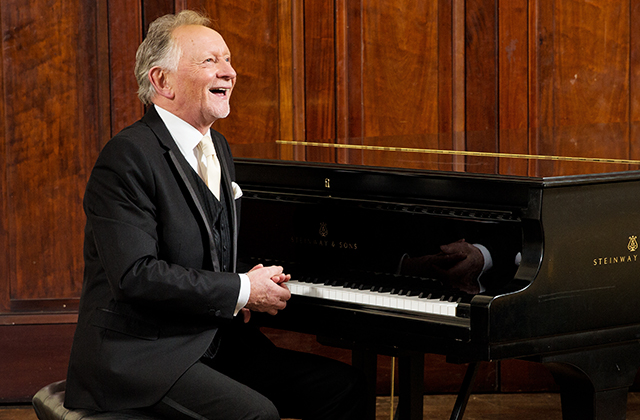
[(562, 291)]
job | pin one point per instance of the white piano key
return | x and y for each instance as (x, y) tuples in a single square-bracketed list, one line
[(367, 297)]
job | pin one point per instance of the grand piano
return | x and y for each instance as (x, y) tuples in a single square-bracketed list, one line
[(564, 290)]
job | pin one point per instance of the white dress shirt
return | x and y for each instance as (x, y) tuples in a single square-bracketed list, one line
[(187, 138)]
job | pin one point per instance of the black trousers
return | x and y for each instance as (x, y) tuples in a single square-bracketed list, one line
[(250, 378)]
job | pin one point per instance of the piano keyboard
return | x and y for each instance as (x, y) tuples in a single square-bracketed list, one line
[(424, 303)]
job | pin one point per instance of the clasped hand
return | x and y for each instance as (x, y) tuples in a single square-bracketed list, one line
[(269, 292), (458, 265)]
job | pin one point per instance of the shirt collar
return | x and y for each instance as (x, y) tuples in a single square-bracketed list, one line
[(184, 134)]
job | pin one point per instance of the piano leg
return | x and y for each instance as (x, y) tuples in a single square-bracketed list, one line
[(411, 384), (594, 383), (367, 362), (465, 391)]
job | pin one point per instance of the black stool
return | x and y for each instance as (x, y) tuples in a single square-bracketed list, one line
[(49, 405)]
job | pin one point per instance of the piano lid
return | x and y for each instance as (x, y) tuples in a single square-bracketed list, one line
[(511, 152)]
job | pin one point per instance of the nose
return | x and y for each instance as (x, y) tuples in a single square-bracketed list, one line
[(226, 71)]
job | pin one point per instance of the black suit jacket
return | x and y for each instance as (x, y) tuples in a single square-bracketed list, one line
[(154, 294)]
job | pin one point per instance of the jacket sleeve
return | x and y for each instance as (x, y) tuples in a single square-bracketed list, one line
[(123, 201)]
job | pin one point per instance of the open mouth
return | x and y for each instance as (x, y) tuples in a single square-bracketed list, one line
[(219, 91)]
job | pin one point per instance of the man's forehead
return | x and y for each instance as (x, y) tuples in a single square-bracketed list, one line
[(199, 36)]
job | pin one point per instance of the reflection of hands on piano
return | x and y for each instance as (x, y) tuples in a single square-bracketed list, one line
[(458, 264), (268, 290)]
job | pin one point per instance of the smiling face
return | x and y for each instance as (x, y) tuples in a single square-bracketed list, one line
[(204, 79)]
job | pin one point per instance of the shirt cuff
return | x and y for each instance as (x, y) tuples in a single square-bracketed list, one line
[(245, 291), (488, 263)]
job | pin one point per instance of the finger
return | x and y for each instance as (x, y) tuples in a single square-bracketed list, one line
[(277, 307), (283, 293), (277, 279), (246, 314), (257, 267), (273, 270), (281, 278), (284, 286)]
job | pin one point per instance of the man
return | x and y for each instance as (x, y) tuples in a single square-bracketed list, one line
[(162, 319)]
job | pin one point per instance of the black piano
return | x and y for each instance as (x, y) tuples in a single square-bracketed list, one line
[(564, 289)]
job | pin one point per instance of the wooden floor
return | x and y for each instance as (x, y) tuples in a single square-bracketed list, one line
[(481, 407)]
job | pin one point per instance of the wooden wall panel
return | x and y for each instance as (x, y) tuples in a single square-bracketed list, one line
[(250, 29), (349, 92), (320, 86), (400, 80), (481, 78), (153, 9), (446, 55), (524, 376), (634, 83), (291, 76), (584, 80), (49, 76), (458, 82), (24, 369), (344, 36), (5, 280), (513, 93), (125, 34)]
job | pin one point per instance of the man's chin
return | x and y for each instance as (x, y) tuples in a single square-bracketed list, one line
[(222, 114)]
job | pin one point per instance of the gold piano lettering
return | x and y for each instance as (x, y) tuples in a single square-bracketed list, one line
[(615, 260), (323, 243)]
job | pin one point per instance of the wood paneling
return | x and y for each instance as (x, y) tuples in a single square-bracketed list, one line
[(583, 81), (522, 376), (353, 53), (25, 369), (399, 79), (250, 29), (513, 112), (125, 34), (439, 376), (50, 142), (446, 77), (634, 83), (458, 82), (5, 283), (153, 9), (481, 78), (320, 82)]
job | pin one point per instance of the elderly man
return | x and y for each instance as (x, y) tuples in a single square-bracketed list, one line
[(163, 316)]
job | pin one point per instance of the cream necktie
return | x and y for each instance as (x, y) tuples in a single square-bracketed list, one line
[(211, 172)]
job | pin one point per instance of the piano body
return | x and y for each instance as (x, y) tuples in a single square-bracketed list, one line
[(571, 302)]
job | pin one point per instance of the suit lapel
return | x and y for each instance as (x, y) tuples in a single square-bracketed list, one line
[(153, 120)]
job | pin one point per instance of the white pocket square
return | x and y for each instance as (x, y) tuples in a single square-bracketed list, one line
[(237, 192)]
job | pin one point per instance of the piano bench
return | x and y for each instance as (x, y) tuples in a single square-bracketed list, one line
[(48, 404)]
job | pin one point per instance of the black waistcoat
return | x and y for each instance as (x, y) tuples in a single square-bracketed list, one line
[(219, 218)]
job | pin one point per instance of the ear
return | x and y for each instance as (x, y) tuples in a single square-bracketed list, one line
[(160, 80)]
